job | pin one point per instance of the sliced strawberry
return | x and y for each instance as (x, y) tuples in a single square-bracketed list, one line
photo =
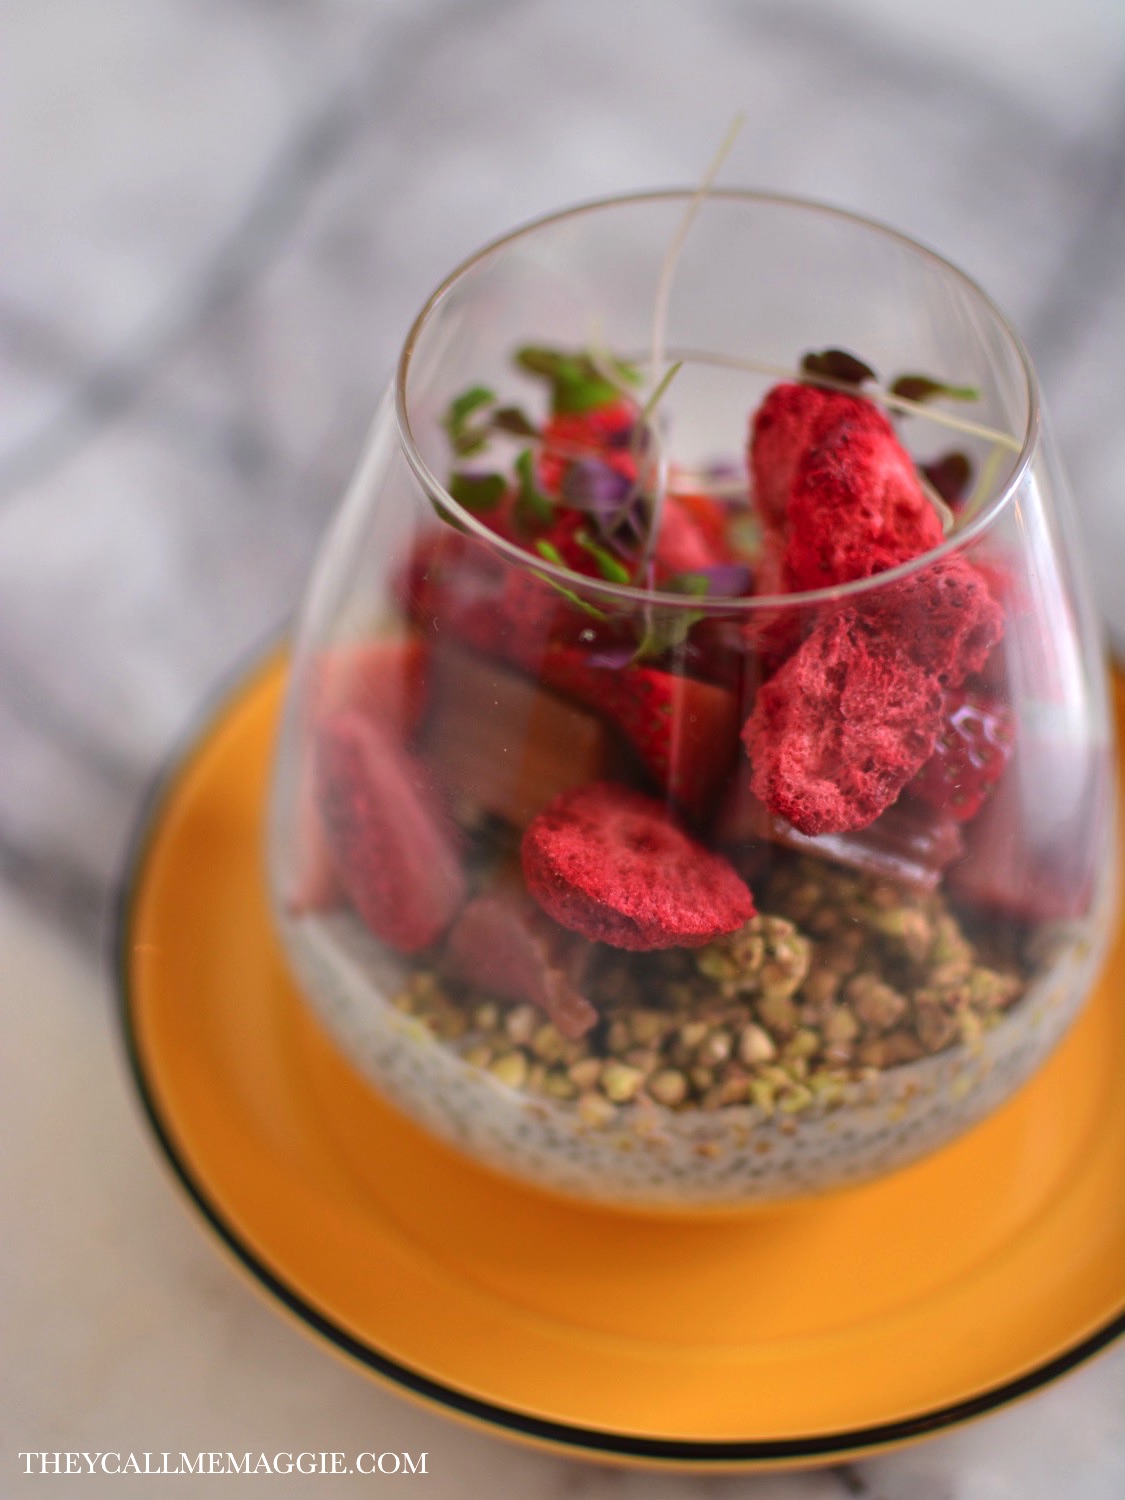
[(503, 942), (604, 432), (683, 545), (685, 731), (392, 847), (972, 750), (842, 726), (612, 865), (711, 518)]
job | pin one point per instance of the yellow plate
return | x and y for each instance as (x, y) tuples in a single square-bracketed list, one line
[(787, 1336)]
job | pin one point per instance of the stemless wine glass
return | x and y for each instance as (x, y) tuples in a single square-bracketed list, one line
[(633, 871)]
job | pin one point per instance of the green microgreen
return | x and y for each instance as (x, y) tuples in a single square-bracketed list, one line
[(568, 594), (668, 630), (532, 505), (468, 438), (477, 492), (923, 388), (577, 384), (608, 565)]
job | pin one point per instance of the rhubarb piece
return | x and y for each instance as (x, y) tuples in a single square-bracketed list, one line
[(499, 742), (1035, 851), (685, 731), (612, 865), (393, 850), (504, 943), (842, 726), (907, 842), (972, 750), (855, 505)]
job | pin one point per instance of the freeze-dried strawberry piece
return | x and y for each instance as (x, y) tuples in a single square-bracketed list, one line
[(855, 505), (503, 942), (971, 753), (606, 862), (394, 852), (782, 429), (946, 616), (382, 679), (685, 731), (842, 726)]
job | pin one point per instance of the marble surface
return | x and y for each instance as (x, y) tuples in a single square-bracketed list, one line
[(217, 219)]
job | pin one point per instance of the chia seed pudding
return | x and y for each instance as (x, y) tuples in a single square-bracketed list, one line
[(779, 1064)]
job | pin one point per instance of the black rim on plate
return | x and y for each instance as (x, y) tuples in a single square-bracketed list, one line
[(564, 1436)]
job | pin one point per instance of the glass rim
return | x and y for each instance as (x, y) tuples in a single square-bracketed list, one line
[(629, 594)]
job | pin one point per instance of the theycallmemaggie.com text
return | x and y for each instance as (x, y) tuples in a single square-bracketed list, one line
[(222, 1463)]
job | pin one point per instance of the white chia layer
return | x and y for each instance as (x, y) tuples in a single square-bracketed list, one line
[(650, 1155)]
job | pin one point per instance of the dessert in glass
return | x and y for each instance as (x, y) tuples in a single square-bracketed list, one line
[(695, 786)]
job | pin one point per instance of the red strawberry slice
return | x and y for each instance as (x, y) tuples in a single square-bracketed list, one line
[(683, 545), (842, 726), (503, 942), (394, 852), (685, 731), (604, 432), (612, 865), (972, 750)]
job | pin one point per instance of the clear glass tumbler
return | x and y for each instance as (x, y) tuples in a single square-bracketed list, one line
[(672, 808)]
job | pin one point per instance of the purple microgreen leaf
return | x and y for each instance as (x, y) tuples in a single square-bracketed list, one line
[(477, 492), (592, 484), (922, 388), (695, 583), (950, 476), (608, 566), (612, 658), (533, 507), (724, 580), (838, 364)]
